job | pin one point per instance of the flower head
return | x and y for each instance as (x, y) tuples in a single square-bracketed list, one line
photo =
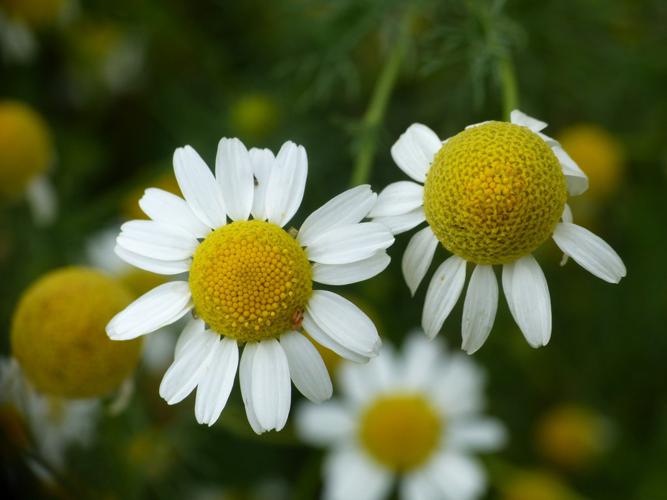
[(250, 281), (490, 195), (413, 417), (58, 337), (26, 145)]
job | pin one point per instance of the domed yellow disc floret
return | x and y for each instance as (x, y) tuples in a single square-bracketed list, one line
[(400, 431), (250, 280), (25, 147), (58, 334), (494, 193)]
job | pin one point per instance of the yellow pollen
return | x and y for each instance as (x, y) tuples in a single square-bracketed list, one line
[(26, 145), (494, 193), (401, 431), (250, 280), (58, 334)]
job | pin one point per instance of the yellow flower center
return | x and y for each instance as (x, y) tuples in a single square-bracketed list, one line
[(250, 281), (58, 334), (401, 431), (494, 193), (36, 13), (25, 142)]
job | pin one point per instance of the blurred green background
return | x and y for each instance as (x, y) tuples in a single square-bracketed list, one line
[(121, 84)]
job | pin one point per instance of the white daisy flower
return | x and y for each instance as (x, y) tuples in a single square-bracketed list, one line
[(251, 281), (54, 423), (491, 195), (414, 418)]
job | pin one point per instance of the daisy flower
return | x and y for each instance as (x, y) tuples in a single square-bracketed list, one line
[(250, 281), (491, 195), (54, 423), (414, 418)]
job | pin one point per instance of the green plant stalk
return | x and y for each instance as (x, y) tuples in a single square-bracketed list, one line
[(510, 92), (378, 105)]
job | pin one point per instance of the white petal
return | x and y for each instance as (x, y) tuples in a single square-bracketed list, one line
[(167, 267), (457, 387), (442, 294), (355, 385), (566, 217), (528, 298), (418, 486), (414, 150), (457, 476), (519, 118), (270, 385), (479, 308), (577, 181), (234, 173), (323, 338), (421, 358), (167, 208), (344, 274), (475, 434), (398, 224), (187, 369), (217, 382), (344, 322), (398, 198), (42, 200), (161, 306), (199, 187), (349, 207), (590, 251), (306, 367), (567, 214), (418, 257), (193, 328), (262, 163), (324, 424), (156, 240), (245, 379), (286, 184), (350, 475), (350, 243)]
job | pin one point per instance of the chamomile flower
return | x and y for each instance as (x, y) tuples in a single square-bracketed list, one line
[(414, 418), (250, 281), (491, 195), (53, 423)]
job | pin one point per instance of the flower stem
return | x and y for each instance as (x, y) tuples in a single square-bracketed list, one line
[(508, 83), (376, 109)]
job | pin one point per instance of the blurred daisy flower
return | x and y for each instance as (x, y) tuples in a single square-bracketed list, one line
[(573, 436), (491, 195), (27, 154), (415, 418), (250, 281), (48, 424)]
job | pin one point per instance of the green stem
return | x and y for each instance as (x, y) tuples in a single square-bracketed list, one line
[(509, 86), (378, 105)]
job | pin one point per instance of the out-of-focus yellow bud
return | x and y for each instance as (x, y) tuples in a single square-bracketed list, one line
[(254, 116), (599, 154), (537, 485), (58, 334), (572, 436), (26, 147)]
